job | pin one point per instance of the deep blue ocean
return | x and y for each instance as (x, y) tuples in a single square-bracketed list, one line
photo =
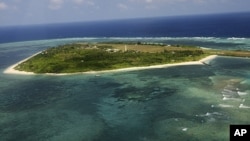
[(220, 25), (182, 103)]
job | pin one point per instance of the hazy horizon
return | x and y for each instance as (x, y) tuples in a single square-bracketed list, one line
[(19, 12)]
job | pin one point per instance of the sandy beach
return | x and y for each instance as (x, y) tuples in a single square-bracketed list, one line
[(11, 70)]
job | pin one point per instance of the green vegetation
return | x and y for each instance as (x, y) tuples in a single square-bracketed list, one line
[(83, 57)]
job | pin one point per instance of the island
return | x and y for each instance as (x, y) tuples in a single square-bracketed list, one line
[(97, 57)]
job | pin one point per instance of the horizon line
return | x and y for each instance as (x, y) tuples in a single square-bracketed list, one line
[(121, 19)]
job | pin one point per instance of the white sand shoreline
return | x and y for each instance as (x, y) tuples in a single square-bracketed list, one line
[(11, 70)]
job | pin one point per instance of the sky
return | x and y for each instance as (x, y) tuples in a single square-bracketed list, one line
[(28, 12)]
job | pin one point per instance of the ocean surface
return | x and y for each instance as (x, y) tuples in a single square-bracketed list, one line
[(220, 25), (196, 102)]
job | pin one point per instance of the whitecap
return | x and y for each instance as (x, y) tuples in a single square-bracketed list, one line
[(225, 106), (208, 114), (243, 106), (203, 38), (184, 129), (242, 93), (234, 99), (234, 38)]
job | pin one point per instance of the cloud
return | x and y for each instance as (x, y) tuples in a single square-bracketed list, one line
[(87, 2), (167, 1), (78, 1), (55, 4), (199, 1), (122, 6), (148, 1), (91, 3), (3, 6)]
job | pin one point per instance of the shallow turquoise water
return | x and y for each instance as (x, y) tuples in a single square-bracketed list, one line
[(177, 103)]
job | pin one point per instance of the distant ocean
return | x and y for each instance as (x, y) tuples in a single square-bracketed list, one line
[(194, 102), (218, 25)]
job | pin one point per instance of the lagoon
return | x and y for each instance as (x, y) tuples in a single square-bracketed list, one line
[(174, 103)]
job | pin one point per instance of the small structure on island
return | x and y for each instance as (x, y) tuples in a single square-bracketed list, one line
[(112, 50), (125, 48)]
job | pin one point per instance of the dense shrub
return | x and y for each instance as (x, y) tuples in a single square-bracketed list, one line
[(81, 57)]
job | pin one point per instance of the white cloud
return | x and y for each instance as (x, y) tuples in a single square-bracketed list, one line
[(167, 1), (3, 6), (78, 1), (122, 6), (149, 1), (55, 4), (199, 1), (91, 3), (87, 2)]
